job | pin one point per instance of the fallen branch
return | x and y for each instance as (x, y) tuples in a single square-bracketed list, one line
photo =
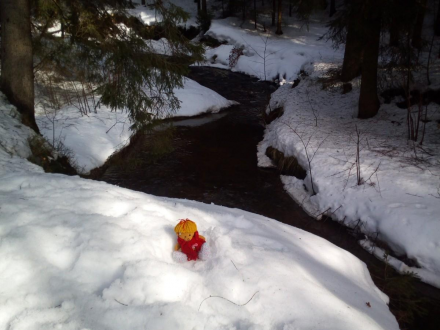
[(227, 300), (120, 302)]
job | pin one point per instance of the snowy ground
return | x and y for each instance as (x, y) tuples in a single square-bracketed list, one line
[(399, 200), (266, 55), (149, 16), (399, 203), (92, 138), (80, 254)]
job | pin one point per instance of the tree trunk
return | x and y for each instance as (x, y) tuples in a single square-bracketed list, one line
[(437, 21), (394, 32), (204, 7), (17, 79), (198, 6), (280, 16), (332, 7), (274, 9), (418, 25), (255, 13), (143, 2), (354, 48), (368, 100), (243, 13)]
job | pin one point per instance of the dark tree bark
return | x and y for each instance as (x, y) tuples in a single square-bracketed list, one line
[(354, 47), (17, 79), (437, 21), (417, 33), (244, 11), (394, 32), (143, 2), (280, 16), (255, 13), (204, 7), (274, 10), (332, 7), (199, 7), (368, 100)]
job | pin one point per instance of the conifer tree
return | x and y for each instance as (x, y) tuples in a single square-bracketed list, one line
[(17, 77), (359, 25), (112, 50)]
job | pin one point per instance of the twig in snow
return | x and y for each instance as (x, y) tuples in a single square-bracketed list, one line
[(308, 155), (333, 212), (413, 195), (235, 266), (313, 110), (438, 193), (358, 160), (120, 302), (377, 178), (238, 270), (228, 300), (320, 214)]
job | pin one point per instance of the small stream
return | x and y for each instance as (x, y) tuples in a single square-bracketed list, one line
[(214, 161)]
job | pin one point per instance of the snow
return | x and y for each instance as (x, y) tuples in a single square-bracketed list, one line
[(149, 16), (81, 254), (397, 264), (398, 201), (92, 138), (266, 55)]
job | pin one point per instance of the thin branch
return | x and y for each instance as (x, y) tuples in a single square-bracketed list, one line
[(228, 300), (119, 302)]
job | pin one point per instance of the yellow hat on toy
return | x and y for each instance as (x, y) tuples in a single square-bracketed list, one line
[(186, 226)]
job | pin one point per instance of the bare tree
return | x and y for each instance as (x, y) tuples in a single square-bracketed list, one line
[(264, 56), (310, 153)]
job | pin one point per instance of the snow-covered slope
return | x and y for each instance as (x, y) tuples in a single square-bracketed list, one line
[(92, 138), (80, 254), (266, 55), (398, 201)]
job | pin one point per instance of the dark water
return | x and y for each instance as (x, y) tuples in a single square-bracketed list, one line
[(216, 162)]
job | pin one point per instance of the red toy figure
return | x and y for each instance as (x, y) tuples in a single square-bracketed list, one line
[(190, 245)]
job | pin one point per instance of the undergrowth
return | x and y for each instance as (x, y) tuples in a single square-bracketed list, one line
[(53, 159), (404, 300)]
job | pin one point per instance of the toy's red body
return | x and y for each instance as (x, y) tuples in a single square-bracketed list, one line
[(192, 247)]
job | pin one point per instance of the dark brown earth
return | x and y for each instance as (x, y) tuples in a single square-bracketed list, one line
[(216, 163)]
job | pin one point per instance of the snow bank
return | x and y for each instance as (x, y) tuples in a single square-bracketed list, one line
[(80, 254), (14, 146), (93, 138), (266, 55), (149, 16), (398, 200)]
